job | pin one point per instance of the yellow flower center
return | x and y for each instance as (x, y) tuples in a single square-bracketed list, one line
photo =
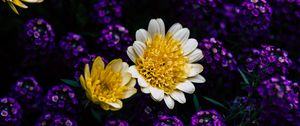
[(163, 63), (107, 88)]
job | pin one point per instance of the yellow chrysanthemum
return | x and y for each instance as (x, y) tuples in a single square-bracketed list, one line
[(106, 86), (19, 3), (164, 64)]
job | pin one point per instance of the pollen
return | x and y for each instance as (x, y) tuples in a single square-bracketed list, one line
[(163, 64)]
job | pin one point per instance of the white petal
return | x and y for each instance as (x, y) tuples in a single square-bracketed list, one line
[(117, 104), (189, 46), (142, 35), (126, 77), (139, 48), (145, 90), (131, 83), (129, 93), (142, 82), (169, 102), (174, 28), (125, 67), (182, 35), (197, 79), (33, 1), (195, 56), (161, 26), (194, 69), (153, 27), (157, 94), (132, 69), (186, 87), (178, 96), (131, 54)]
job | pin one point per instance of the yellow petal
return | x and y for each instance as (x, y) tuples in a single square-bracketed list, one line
[(82, 81), (33, 1), (125, 78), (129, 93), (115, 65), (19, 3), (98, 65), (12, 6), (87, 73)]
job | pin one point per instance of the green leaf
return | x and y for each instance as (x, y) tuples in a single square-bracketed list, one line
[(196, 103), (243, 76), (71, 82), (215, 102), (97, 114)]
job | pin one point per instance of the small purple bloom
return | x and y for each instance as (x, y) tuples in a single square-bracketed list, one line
[(10, 112), (28, 92), (52, 119), (72, 45), (168, 121), (116, 123), (61, 98), (207, 118), (108, 11)]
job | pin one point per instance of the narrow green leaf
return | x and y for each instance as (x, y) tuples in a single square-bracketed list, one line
[(71, 82), (243, 76), (97, 115), (215, 102), (196, 103)]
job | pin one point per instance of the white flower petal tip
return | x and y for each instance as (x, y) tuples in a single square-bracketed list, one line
[(157, 94), (142, 82), (153, 27), (142, 35), (182, 35), (169, 102), (194, 69), (195, 56), (139, 48), (133, 71), (189, 46), (129, 93), (131, 54), (116, 105), (197, 79), (174, 28), (178, 96), (161, 26), (186, 87), (145, 90)]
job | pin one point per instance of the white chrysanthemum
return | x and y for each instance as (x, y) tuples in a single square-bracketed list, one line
[(164, 63)]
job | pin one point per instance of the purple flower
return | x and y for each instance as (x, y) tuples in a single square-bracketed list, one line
[(116, 123), (108, 11), (61, 98), (114, 41), (267, 61), (216, 55), (207, 118), (279, 95), (255, 15), (27, 91), (168, 121), (11, 112), (72, 45), (51, 119), (39, 33)]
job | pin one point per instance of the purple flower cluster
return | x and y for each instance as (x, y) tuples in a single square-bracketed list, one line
[(207, 118), (27, 91), (61, 98), (39, 33), (50, 119), (255, 15), (268, 60), (216, 55), (114, 40), (279, 95), (116, 123), (107, 11), (168, 121), (72, 45), (10, 112)]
